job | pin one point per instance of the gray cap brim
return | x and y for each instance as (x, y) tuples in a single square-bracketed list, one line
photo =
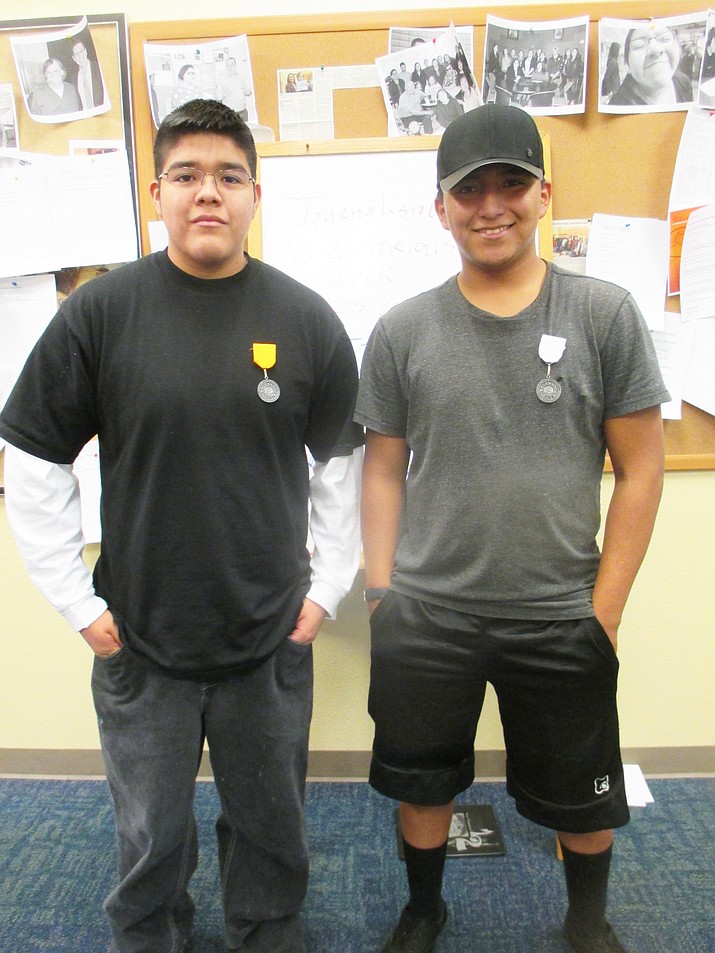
[(449, 181)]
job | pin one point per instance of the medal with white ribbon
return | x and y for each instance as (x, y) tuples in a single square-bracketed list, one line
[(551, 350), (264, 356)]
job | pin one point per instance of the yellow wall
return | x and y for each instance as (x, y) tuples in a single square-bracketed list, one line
[(188, 9), (667, 649)]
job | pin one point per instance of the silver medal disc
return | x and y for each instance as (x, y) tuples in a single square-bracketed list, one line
[(548, 390), (268, 390)]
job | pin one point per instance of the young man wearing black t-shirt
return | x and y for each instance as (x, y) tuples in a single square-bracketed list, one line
[(205, 374)]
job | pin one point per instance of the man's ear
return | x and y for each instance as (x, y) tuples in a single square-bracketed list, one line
[(545, 198), (439, 209), (155, 193), (256, 198)]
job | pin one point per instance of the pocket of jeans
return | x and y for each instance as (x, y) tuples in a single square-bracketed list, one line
[(300, 647), (105, 659), (293, 664)]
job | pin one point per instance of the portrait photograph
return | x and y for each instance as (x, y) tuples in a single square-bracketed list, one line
[(648, 66), (219, 69), (60, 74)]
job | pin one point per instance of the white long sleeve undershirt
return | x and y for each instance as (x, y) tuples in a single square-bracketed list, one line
[(44, 513), (335, 528)]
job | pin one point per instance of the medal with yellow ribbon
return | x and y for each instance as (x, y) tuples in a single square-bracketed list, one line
[(264, 356)]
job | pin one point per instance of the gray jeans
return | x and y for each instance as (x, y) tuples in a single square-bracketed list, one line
[(152, 730)]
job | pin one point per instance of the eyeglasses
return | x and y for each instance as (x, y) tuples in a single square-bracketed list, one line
[(191, 180), (662, 39)]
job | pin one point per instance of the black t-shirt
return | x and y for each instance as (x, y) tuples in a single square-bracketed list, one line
[(204, 485)]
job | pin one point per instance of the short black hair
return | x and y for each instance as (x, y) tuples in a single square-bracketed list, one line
[(203, 115)]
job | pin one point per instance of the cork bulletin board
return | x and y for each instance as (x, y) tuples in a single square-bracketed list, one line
[(109, 36), (618, 165)]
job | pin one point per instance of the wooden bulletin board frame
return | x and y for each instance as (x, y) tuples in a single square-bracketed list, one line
[(601, 163)]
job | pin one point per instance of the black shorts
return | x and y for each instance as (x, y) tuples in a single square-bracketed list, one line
[(556, 686)]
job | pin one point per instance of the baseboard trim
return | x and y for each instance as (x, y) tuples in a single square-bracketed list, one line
[(341, 765)]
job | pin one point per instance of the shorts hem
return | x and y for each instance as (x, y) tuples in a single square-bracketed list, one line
[(573, 819), (423, 787)]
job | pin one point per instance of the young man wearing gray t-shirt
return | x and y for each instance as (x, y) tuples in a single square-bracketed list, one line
[(501, 391)]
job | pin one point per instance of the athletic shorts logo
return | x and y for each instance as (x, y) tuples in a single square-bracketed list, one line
[(602, 785)]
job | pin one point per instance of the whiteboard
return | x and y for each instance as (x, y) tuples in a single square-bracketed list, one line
[(359, 228)]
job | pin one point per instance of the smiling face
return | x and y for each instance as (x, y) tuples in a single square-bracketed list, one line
[(79, 55), (493, 214), (207, 229), (54, 73), (655, 57)]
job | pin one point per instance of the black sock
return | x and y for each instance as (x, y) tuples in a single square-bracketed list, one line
[(586, 885), (424, 876)]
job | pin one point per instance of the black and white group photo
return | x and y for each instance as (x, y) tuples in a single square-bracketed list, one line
[(427, 85), (538, 66)]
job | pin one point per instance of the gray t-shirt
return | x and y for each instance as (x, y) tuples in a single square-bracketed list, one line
[(502, 500)]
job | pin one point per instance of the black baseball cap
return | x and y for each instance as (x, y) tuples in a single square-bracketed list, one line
[(485, 136)]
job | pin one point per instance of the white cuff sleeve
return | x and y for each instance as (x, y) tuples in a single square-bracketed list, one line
[(43, 510), (335, 529)]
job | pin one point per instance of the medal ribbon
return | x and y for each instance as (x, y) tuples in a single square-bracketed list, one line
[(551, 348), (264, 355)]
